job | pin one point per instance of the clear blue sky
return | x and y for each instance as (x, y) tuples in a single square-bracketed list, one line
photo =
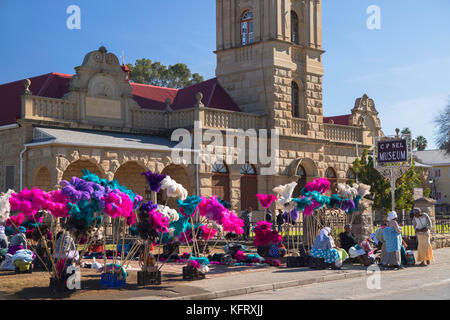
[(404, 67)]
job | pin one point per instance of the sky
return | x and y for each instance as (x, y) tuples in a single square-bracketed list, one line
[(404, 66)]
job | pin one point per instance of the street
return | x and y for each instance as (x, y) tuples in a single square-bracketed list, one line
[(413, 283)]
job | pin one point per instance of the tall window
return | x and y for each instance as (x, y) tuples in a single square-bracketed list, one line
[(295, 100), (294, 28), (331, 175), (249, 187), (301, 174), (9, 178), (247, 28)]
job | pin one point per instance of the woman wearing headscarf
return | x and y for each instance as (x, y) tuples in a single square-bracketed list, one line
[(18, 241), (393, 237), (422, 226), (323, 248)]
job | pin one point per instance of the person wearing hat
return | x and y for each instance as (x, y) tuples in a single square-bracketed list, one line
[(18, 241), (393, 237), (422, 226)]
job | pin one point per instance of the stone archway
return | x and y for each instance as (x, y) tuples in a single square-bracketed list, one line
[(130, 175), (181, 176), (74, 169), (43, 179)]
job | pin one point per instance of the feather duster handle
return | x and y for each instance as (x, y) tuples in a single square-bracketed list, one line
[(285, 192), (266, 199)]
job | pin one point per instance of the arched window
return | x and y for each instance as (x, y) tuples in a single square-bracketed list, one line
[(247, 28), (295, 100), (248, 169), (219, 168), (350, 175), (294, 28)]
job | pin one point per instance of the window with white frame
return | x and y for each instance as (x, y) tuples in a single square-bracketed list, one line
[(247, 28)]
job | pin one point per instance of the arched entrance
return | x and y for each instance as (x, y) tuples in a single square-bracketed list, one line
[(43, 179), (220, 185), (130, 175), (249, 187), (74, 169), (350, 176), (302, 180), (180, 175)]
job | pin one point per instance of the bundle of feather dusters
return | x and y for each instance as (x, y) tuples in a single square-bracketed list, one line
[(173, 189), (170, 213), (347, 192), (285, 192), (5, 207)]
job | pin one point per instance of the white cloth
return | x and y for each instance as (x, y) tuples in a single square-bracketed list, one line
[(8, 263), (392, 215), (421, 222), (354, 253)]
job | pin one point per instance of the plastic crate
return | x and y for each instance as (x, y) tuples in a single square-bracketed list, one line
[(190, 274), (112, 280), (263, 251), (57, 285), (318, 263), (297, 262), (148, 277)]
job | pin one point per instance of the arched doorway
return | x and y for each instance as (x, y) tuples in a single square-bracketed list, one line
[(301, 174), (43, 179), (249, 187), (74, 169), (130, 175), (180, 175), (220, 185), (331, 175)]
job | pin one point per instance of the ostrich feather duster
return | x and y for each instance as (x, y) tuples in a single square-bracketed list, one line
[(285, 192)]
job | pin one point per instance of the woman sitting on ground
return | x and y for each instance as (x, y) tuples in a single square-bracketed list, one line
[(324, 248)]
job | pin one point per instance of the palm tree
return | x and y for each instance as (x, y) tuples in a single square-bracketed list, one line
[(421, 143)]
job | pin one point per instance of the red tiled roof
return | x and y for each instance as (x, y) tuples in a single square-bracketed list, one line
[(55, 85), (342, 120)]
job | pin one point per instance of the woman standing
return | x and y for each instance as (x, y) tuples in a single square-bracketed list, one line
[(393, 237), (422, 226)]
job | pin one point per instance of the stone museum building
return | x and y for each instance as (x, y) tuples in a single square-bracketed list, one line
[(269, 75)]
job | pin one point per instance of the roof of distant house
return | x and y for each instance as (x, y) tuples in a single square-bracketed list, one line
[(56, 85), (342, 120), (432, 157)]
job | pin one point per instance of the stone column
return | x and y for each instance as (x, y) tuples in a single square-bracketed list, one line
[(428, 206), (362, 225)]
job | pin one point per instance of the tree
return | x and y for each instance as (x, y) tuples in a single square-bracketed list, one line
[(381, 187), (443, 128), (154, 73), (421, 143)]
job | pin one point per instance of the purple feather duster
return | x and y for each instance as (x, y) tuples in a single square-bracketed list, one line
[(154, 180)]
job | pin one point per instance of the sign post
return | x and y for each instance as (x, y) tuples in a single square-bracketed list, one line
[(393, 156)]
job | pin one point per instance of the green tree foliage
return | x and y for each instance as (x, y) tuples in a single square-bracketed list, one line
[(443, 128), (381, 187), (421, 143), (154, 73)]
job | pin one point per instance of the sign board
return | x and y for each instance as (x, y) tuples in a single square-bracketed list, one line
[(418, 193), (393, 151)]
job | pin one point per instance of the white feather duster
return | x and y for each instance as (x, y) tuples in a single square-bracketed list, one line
[(172, 214), (363, 189), (346, 192), (285, 192), (173, 189), (5, 207)]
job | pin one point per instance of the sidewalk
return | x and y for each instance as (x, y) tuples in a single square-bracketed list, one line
[(221, 282)]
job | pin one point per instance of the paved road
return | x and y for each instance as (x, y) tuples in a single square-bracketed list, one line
[(420, 283)]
